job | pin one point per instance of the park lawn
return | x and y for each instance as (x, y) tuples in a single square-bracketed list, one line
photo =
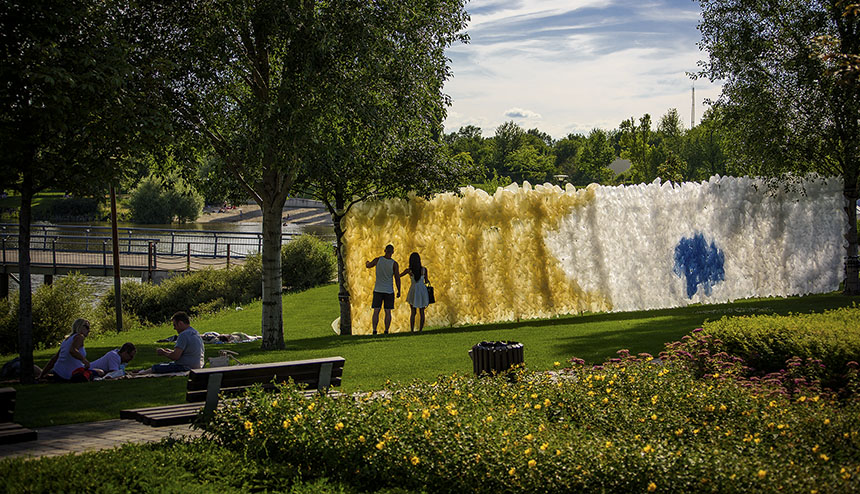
[(373, 360)]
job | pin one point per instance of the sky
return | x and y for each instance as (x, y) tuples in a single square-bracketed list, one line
[(568, 66)]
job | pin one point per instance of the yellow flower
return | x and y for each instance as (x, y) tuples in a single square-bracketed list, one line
[(532, 463), (652, 487), (723, 408), (654, 416), (528, 451), (606, 400), (361, 439), (512, 471), (286, 423), (425, 414), (537, 406), (529, 437), (558, 452), (544, 446), (275, 404), (409, 416), (380, 445), (427, 434), (823, 457), (678, 432), (541, 428), (801, 399), (534, 396), (762, 473), (546, 402), (556, 364), (311, 406), (415, 460), (297, 417), (815, 449), (248, 425), (648, 449), (826, 421), (654, 399), (338, 426)]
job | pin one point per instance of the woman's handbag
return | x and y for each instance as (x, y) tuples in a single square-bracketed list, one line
[(430, 295)]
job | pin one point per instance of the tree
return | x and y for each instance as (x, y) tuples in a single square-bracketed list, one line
[(73, 111), (790, 106), (596, 154), (284, 89), (637, 145)]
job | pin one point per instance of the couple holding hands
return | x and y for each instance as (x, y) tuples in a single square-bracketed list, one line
[(418, 297)]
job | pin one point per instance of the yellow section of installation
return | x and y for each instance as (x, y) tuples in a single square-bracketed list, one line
[(485, 255)]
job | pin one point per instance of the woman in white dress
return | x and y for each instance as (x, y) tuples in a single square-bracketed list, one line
[(417, 297)]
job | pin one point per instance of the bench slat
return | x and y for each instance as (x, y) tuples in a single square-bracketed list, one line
[(303, 372)]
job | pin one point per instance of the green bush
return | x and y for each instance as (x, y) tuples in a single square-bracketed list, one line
[(68, 209), (55, 308), (307, 262), (196, 292), (767, 342), (154, 202), (621, 427), (168, 466)]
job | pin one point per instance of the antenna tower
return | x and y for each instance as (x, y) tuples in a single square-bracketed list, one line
[(693, 109)]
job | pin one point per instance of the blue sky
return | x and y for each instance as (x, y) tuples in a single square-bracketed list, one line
[(572, 65)]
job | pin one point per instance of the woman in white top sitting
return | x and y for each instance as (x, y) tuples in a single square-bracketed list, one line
[(418, 298), (72, 354)]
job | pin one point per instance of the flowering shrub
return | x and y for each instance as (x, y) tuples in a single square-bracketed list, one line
[(807, 353), (632, 424)]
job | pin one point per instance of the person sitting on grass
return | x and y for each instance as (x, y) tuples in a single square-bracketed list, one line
[(70, 363), (114, 360), (188, 352)]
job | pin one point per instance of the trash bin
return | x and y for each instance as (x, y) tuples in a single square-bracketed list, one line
[(495, 356)]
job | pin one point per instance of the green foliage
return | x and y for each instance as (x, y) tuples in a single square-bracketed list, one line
[(157, 201), (306, 262), (55, 308), (767, 342), (68, 209), (172, 465), (620, 427), (196, 292)]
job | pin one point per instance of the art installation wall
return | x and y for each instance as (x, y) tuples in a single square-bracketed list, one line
[(537, 252)]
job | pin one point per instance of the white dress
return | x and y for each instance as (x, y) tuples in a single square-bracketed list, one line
[(417, 296)]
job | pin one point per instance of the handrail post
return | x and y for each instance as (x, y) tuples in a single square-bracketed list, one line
[(172, 238), (155, 254), (215, 249), (129, 240), (149, 262), (54, 253), (228, 256), (104, 256), (188, 257)]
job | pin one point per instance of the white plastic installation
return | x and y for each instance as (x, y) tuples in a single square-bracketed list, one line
[(536, 252)]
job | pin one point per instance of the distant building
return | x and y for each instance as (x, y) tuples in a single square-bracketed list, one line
[(620, 166)]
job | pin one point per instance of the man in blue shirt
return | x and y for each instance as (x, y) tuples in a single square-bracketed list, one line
[(188, 352)]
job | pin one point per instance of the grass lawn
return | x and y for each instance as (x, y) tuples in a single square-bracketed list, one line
[(372, 360)]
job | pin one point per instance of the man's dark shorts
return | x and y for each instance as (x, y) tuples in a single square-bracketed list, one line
[(379, 298)]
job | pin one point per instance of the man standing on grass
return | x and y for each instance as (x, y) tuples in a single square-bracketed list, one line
[(383, 291), (188, 352)]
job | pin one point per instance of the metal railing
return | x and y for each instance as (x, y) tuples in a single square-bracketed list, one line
[(197, 243)]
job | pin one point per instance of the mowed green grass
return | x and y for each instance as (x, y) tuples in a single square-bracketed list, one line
[(373, 360)]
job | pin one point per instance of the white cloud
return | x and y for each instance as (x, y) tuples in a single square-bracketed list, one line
[(519, 113)]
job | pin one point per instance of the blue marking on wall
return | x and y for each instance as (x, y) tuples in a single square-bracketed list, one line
[(700, 263)]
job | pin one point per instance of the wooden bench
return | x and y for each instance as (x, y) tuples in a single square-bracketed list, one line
[(10, 432), (206, 385)]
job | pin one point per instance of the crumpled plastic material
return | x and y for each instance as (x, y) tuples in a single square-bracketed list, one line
[(538, 252)]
